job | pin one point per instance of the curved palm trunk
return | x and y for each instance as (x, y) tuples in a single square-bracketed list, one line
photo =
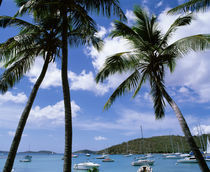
[(17, 138), (202, 163), (66, 95)]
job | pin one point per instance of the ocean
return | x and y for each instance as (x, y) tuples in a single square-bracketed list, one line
[(54, 163)]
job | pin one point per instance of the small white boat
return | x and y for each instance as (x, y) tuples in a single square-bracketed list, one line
[(145, 168), (87, 154), (143, 162), (101, 157), (108, 160), (188, 160), (86, 166), (26, 158), (141, 157), (184, 155), (128, 155), (172, 157), (74, 156)]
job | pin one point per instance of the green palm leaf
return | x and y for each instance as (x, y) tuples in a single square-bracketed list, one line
[(191, 5)]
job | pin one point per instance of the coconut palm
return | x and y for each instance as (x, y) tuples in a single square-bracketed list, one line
[(148, 60), (191, 5), (18, 55), (77, 12)]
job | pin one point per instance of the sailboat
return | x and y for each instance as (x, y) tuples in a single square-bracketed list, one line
[(207, 153), (128, 154), (141, 161)]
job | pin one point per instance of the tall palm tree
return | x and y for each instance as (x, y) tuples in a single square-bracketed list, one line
[(77, 12), (191, 5), (18, 54), (148, 60)]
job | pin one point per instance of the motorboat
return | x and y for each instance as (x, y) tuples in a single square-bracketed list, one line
[(145, 168), (102, 157), (128, 155), (172, 157), (143, 162), (184, 155), (74, 156), (191, 159), (26, 158), (107, 160), (87, 154), (86, 166)]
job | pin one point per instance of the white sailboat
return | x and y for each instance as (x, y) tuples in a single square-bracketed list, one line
[(128, 154), (142, 161), (207, 153)]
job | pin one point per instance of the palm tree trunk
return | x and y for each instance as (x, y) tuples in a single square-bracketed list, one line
[(202, 163), (66, 94), (19, 131)]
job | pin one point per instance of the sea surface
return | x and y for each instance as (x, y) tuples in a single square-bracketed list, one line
[(54, 163)]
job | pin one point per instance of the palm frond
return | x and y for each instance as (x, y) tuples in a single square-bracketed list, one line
[(128, 84), (180, 21), (6, 21), (196, 43), (191, 5), (107, 7), (116, 63), (158, 99), (14, 73)]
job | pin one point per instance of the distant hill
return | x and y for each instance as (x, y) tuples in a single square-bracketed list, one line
[(38, 152), (157, 144), (86, 151)]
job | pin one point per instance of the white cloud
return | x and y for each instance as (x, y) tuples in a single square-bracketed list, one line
[(102, 32), (130, 17), (53, 114), (12, 133), (159, 4), (10, 97), (202, 129), (86, 81), (99, 138), (192, 71), (53, 75)]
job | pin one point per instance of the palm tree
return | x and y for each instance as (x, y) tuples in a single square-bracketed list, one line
[(148, 60), (76, 12), (18, 54), (191, 5)]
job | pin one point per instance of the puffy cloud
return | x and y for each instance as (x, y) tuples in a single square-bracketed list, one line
[(86, 81), (99, 138), (192, 71), (10, 97), (54, 114), (202, 129), (130, 17), (102, 32), (159, 4), (53, 75)]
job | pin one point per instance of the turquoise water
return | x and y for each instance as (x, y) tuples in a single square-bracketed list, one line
[(54, 163)]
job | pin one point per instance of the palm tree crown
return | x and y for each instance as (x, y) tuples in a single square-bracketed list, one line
[(148, 60), (150, 57)]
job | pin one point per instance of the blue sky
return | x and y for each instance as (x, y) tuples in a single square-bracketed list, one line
[(94, 128)]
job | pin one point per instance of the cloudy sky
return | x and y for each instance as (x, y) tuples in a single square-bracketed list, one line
[(94, 128)]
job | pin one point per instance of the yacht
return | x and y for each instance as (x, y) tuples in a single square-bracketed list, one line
[(108, 160), (143, 162), (191, 159), (86, 166), (26, 158)]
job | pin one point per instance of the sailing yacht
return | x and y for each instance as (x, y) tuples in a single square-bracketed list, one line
[(141, 161)]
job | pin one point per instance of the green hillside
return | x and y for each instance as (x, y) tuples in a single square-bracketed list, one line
[(158, 144)]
